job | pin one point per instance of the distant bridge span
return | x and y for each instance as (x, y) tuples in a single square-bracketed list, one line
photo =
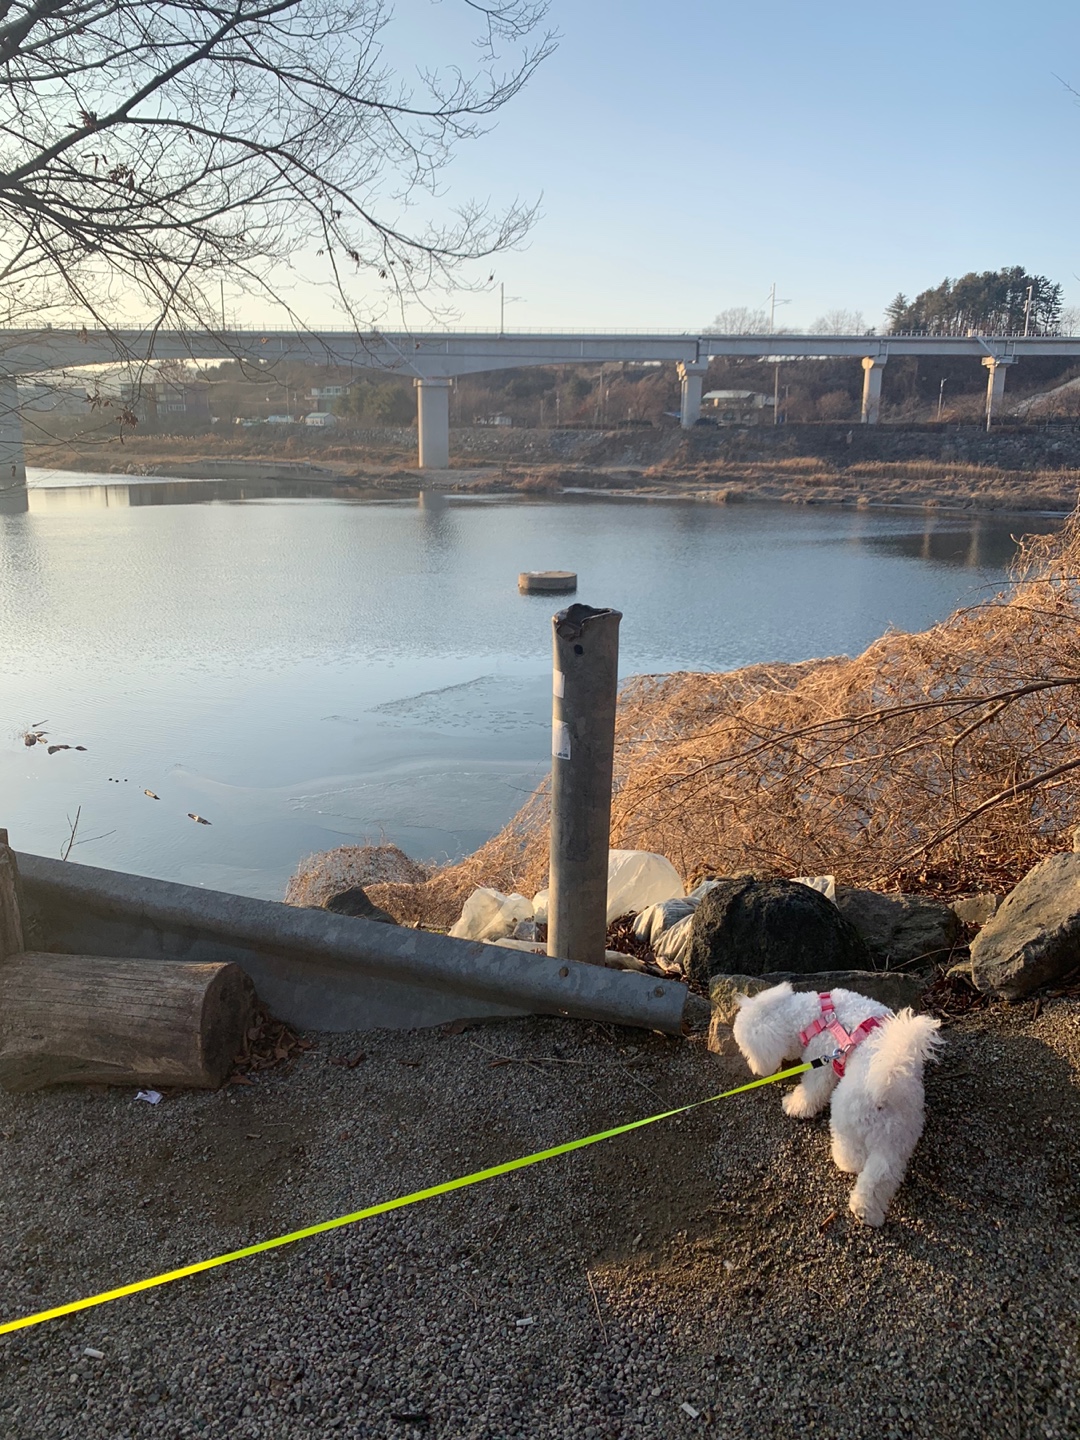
[(433, 359)]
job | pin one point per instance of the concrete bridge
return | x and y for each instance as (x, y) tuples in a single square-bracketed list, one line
[(433, 359)]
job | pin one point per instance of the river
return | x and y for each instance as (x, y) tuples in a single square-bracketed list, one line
[(306, 672)]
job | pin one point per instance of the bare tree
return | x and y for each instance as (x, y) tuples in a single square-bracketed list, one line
[(739, 320), (149, 150), (839, 322)]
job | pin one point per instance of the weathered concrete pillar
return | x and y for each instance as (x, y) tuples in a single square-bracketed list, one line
[(995, 382), (12, 459), (691, 375), (873, 373), (433, 421), (586, 683)]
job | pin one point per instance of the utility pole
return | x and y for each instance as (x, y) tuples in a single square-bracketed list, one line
[(941, 396), (776, 394), (223, 325), (502, 308), (773, 302), (1027, 308)]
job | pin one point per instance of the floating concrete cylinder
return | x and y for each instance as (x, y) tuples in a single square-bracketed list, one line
[(547, 582)]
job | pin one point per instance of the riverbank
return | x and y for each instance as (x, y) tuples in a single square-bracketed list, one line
[(1034, 470), (708, 1262)]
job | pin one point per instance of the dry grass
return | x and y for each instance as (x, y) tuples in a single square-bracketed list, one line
[(944, 760), (320, 877)]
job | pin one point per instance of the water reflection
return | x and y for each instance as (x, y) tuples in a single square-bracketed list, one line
[(305, 670), (14, 502), (127, 494), (973, 542)]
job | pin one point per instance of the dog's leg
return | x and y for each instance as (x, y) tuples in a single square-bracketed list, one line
[(878, 1182), (811, 1095), (848, 1151)]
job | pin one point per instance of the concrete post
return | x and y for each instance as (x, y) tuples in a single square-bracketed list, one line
[(433, 421), (691, 375), (873, 374), (12, 459), (995, 383), (585, 682)]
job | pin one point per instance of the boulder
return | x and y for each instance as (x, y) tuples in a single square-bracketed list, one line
[(889, 987), (1034, 938), (759, 927), (975, 909), (354, 901), (899, 929)]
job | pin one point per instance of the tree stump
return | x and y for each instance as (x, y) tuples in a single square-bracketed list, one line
[(92, 1018)]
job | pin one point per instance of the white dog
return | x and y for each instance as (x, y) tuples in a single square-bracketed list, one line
[(875, 1069)]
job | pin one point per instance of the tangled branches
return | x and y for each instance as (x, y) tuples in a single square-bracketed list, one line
[(148, 151)]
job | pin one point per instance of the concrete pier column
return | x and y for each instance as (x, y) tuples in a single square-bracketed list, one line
[(873, 374), (995, 383), (433, 421), (12, 459), (691, 376)]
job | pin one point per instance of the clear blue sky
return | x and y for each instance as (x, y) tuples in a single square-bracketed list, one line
[(689, 155)]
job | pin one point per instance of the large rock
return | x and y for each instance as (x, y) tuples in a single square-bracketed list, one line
[(900, 929), (355, 901), (758, 927), (889, 987), (1034, 938)]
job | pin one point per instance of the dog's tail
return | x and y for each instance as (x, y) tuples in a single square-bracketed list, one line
[(901, 1046)]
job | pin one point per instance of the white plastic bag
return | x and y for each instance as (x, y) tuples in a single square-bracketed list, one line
[(673, 946), (490, 915), (823, 884), (638, 879), (656, 920), (540, 904)]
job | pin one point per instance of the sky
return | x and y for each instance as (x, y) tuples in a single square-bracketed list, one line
[(685, 158)]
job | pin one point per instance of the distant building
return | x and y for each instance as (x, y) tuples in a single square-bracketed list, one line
[(328, 392), (739, 407), (321, 420), (163, 399), (492, 420), (280, 420)]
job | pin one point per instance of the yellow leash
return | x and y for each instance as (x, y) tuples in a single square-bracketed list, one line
[(417, 1195)]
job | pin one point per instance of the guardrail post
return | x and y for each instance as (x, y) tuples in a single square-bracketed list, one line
[(585, 684)]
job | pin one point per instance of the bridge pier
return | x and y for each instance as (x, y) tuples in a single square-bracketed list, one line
[(995, 382), (12, 458), (433, 421), (873, 374), (691, 376)]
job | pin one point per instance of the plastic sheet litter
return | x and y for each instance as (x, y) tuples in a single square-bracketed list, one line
[(490, 915), (638, 879), (823, 884)]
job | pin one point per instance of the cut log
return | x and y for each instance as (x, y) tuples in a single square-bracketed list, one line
[(11, 931), (92, 1018)]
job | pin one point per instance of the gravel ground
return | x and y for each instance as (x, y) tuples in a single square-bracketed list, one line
[(708, 1262)]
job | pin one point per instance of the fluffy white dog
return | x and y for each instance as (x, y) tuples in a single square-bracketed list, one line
[(876, 1086)]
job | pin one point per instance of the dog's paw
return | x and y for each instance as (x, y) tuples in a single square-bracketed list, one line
[(866, 1211), (795, 1105)]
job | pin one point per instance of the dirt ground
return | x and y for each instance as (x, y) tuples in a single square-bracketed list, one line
[(707, 1262)]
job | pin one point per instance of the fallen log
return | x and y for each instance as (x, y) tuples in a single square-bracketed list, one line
[(93, 1018)]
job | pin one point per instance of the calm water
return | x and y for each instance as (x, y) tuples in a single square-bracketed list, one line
[(307, 672)]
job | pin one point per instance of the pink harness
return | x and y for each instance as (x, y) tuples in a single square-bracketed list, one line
[(829, 1020)]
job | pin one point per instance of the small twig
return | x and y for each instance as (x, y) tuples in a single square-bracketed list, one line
[(66, 851), (596, 1306), (506, 1059)]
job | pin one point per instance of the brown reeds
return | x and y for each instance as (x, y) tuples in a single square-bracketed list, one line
[(946, 760)]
